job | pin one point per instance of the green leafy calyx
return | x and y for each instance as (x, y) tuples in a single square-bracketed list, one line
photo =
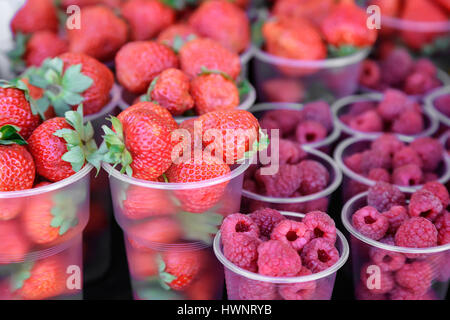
[(9, 134)]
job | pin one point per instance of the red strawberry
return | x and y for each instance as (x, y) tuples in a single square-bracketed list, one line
[(101, 35), (224, 22), (445, 4), (13, 244), (128, 115), (389, 8), (85, 3), (160, 230), (35, 15), (138, 63), (175, 35), (142, 264), (314, 10), (179, 268), (147, 18), (207, 53), (43, 45)]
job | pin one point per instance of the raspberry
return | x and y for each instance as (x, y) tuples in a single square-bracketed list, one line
[(409, 122), (430, 151), (415, 277), (286, 120), (368, 121), (353, 162), (426, 66), (277, 259), (419, 83), (397, 65), (370, 74), (429, 177), (299, 291), (385, 259), (281, 184), (442, 104), (241, 250), (424, 204), (321, 225), (238, 223), (439, 190), (319, 254), (360, 107), (388, 143), (379, 174), (256, 290), (442, 225), (292, 233), (283, 90), (396, 215), (394, 103), (320, 112), (266, 219), (383, 196), (404, 156), (289, 152), (372, 159), (400, 293), (386, 280), (407, 175), (370, 223), (310, 132), (314, 177), (416, 232), (250, 185)]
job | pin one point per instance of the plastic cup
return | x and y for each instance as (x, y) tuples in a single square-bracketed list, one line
[(325, 145), (430, 101), (341, 106), (316, 79), (247, 101), (30, 248), (317, 201), (318, 286), (376, 264), (245, 58), (354, 183)]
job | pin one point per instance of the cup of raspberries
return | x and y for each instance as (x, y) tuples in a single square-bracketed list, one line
[(400, 242), (272, 255), (438, 102), (393, 111)]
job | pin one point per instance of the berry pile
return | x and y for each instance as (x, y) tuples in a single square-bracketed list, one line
[(270, 244), (424, 222)]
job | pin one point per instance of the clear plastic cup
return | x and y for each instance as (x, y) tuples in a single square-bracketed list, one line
[(325, 145), (376, 264), (317, 79), (40, 233), (354, 183), (245, 58), (430, 100), (245, 285), (247, 101), (317, 201), (341, 106)]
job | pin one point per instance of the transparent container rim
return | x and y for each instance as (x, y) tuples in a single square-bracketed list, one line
[(254, 276), (343, 102), (157, 246), (267, 106), (444, 138), (246, 55), (345, 217), (177, 186), (361, 179), (106, 110), (418, 26), (429, 104), (325, 192), (247, 102), (324, 63)]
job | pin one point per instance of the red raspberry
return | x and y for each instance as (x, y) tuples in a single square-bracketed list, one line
[(238, 223), (299, 291), (314, 177), (319, 254), (425, 65), (397, 65), (310, 132), (370, 223), (372, 159), (406, 155), (385, 259), (368, 121), (277, 259), (266, 219), (396, 215), (383, 196), (292, 233), (430, 151), (442, 225), (361, 107), (289, 152), (416, 232), (394, 103), (256, 290), (285, 119), (429, 177), (419, 83), (379, 174), (439, 190), (281, 184), (424, 204), (321, 225), (415, 277), (400, 293), (250, 185), (388, 143), (409, 122), (353, 162), (370, 74), (407, 175), (386, 280), (241, 250), (320, 112), (443, 104)]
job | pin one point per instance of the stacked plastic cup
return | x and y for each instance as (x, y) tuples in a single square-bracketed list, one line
[(436, 102), (169, 229), (376, 265), (245, 285), (41, 240)]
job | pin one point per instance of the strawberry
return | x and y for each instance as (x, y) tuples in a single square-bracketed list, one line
[(76, 78), (142, 264), (445, 4), (147, 18), (17, 168), (86, 3), (207, 287), (101, 35), (141, 142), (177, 269), (421, 11), (13, 244), (34, 16), (160, 230), (138, 63), (62, 146), (128, 114), (314, 10), (224, 22), (389, 8), (346, 27), (214, 91), (175, 35), (207, 53)]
